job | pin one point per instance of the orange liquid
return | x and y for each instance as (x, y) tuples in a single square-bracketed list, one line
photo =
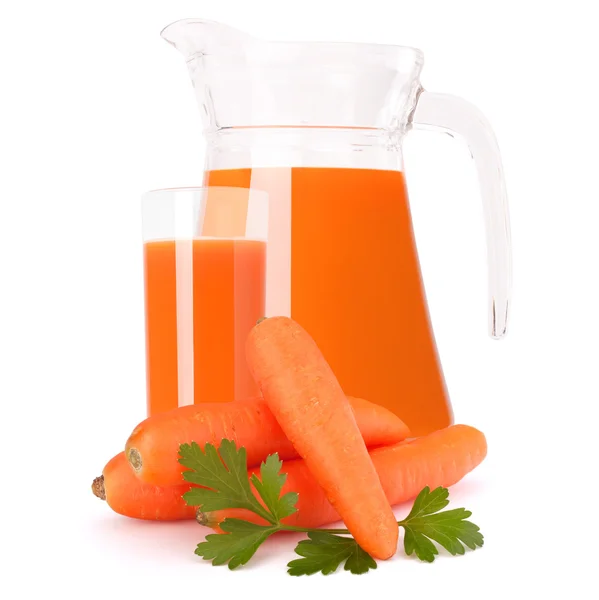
[(202, 299), (356, 285)]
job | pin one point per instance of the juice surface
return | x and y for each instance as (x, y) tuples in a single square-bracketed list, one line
[(356, 285), (202, 298)]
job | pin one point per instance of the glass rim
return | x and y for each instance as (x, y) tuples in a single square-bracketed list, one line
[(204, 188), (185, 212), (272, 49)]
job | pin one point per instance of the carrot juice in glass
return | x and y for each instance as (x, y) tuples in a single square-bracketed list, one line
[(205, 278)]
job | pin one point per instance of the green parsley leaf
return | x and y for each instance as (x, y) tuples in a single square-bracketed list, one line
[(324, 552), (428, 502), (449, 529), (270, 485), (237, 545), (223, 475)]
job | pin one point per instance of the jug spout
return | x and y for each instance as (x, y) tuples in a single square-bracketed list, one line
[(245, 82), (196, 37)]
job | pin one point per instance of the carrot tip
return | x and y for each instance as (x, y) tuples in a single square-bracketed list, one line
[(205, 518), (201, 517), (98, 487), (134, 458)]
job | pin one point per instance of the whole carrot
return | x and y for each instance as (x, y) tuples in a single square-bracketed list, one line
[(307, 401), (439, 459), (153, 447), (129, 496)]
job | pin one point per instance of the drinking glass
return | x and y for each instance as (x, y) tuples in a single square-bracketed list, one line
[(205, 288)]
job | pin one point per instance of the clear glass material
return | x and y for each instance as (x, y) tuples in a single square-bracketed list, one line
[(205, 287), (319, 126), (456, 116)]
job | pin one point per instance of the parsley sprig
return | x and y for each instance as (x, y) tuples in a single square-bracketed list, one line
[(225, 484), (449, 528)]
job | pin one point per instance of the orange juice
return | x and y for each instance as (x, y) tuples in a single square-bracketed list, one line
[(202, 298), (356, 285)]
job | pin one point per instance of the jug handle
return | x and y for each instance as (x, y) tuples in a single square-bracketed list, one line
[(450, 114)]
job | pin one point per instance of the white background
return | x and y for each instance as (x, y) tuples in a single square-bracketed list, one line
[(96, 109)]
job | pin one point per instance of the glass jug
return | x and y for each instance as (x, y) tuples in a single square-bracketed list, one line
[(319, 126)]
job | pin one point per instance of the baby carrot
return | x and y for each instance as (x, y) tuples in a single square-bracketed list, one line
[(153, 447), (129, 496), (441, 458), (307, 401)]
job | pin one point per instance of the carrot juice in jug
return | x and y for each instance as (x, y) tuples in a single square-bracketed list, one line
[(356, 285)]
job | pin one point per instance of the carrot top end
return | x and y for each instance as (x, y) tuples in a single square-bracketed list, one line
[(98, 487), (134, 459)]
